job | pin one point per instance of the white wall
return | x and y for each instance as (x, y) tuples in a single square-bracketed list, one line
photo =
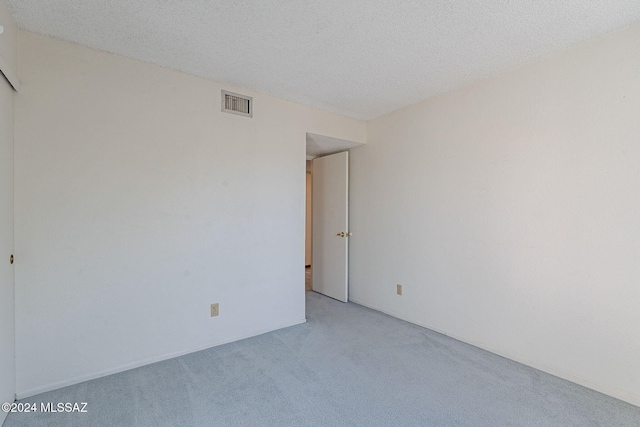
[(8, 39), (7, 324), (8, 54), (509, 211), (138, 203)]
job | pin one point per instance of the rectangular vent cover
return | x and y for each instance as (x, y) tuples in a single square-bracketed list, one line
[(237, 104)]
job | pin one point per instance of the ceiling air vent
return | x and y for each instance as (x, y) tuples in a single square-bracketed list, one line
[(237, 104)]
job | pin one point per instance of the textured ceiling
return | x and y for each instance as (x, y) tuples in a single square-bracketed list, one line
[(359, 58)]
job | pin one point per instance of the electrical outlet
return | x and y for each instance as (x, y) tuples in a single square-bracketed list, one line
[(214, 310), (399, 289)]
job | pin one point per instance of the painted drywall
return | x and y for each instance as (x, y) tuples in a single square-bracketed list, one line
[(509, 212), (138, 204), (8, 54), (7, 342), (8, 38)]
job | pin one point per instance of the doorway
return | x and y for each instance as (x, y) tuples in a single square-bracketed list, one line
[(326, 249), (308, 231), (7, 317)]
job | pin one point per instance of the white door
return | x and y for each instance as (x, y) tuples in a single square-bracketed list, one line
[(7, 330), (330, 219)]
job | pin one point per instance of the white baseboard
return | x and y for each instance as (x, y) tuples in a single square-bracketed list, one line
[(80, 379), (618, 394)]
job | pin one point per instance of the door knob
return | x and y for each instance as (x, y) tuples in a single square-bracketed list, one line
[(343, 234), (11, 259)]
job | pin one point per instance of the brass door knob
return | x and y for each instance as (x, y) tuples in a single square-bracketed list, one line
[(11, 259), (341, 234)]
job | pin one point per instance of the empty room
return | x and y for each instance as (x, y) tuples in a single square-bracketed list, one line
[(330, 213)]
